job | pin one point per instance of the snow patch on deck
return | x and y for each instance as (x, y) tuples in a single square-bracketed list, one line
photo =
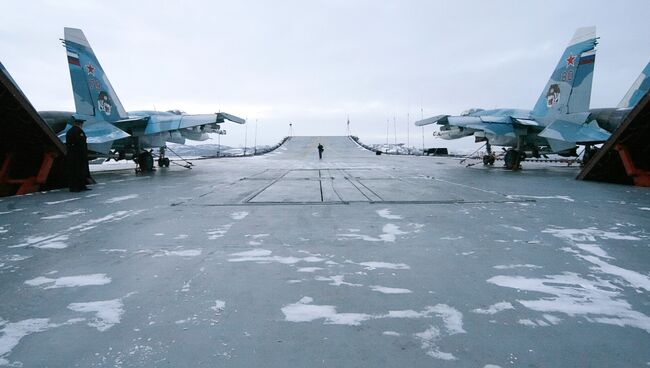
[(590, 234), (107, 312), (494, 308), (594, 299), (309, 269), (52, 241), (513, 266), (385, 213), (63, 215), (264, 256), (63, 201), (239, 215), (305, 311), (563, 198), (70, 281), (336, 280), (178, 253), (389, 290), (389, 235), (218, 307), (386, 265), (218, 232), (13, 332), (121, 198), (113, 217)]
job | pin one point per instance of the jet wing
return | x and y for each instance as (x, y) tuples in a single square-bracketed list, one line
[(191, 120), (440, 119), (463, 121), (98, 132), (188, 121), (222, 116), (501, 125), (475, 122), (579, 133)]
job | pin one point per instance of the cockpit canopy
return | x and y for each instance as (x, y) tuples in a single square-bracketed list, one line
[(176, 112), (470, 111)]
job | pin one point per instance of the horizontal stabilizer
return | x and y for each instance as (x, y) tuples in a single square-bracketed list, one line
[(221, 116), (558, 146), (440, 119), (98, 132), (132, 124), (578, 133)]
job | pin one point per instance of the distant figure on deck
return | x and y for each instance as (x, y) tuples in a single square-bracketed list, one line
[(77, 157), (320, 151)]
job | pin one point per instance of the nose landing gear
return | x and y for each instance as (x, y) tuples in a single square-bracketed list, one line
[(490, 157), (163, 161)]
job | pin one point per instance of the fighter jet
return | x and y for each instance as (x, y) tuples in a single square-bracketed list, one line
[(558, 122), (610, 118), (111, 131)]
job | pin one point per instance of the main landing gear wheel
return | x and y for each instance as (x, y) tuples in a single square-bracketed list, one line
[(145, 162), (513, 159)]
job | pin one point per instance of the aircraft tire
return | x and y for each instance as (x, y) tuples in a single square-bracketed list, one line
[(488, 160), (145, 161), (166, 162), (512, 159)]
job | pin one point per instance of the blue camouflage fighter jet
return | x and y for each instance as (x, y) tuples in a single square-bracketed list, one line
[(559, 121), (111, 131)]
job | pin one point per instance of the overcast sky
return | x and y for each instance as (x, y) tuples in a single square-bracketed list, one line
[(313, 63)]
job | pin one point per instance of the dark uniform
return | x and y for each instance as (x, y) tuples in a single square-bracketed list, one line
[(320, 151), (77, 159)]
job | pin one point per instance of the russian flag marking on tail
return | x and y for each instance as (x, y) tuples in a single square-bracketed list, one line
[(73, 58), (588, 57)]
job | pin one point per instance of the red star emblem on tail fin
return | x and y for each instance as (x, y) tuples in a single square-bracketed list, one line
[(90, 68), (570, 61)]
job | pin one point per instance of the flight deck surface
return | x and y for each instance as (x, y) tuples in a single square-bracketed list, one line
[(355, 260)]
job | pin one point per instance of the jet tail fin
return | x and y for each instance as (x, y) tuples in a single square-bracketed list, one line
[(93, 94), (569, 88), (639, 88)]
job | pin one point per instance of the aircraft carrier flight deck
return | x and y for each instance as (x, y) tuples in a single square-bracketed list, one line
[(285, 260)]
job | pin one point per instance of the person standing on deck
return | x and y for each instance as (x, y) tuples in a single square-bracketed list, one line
[(320, 151), (77, 157)]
